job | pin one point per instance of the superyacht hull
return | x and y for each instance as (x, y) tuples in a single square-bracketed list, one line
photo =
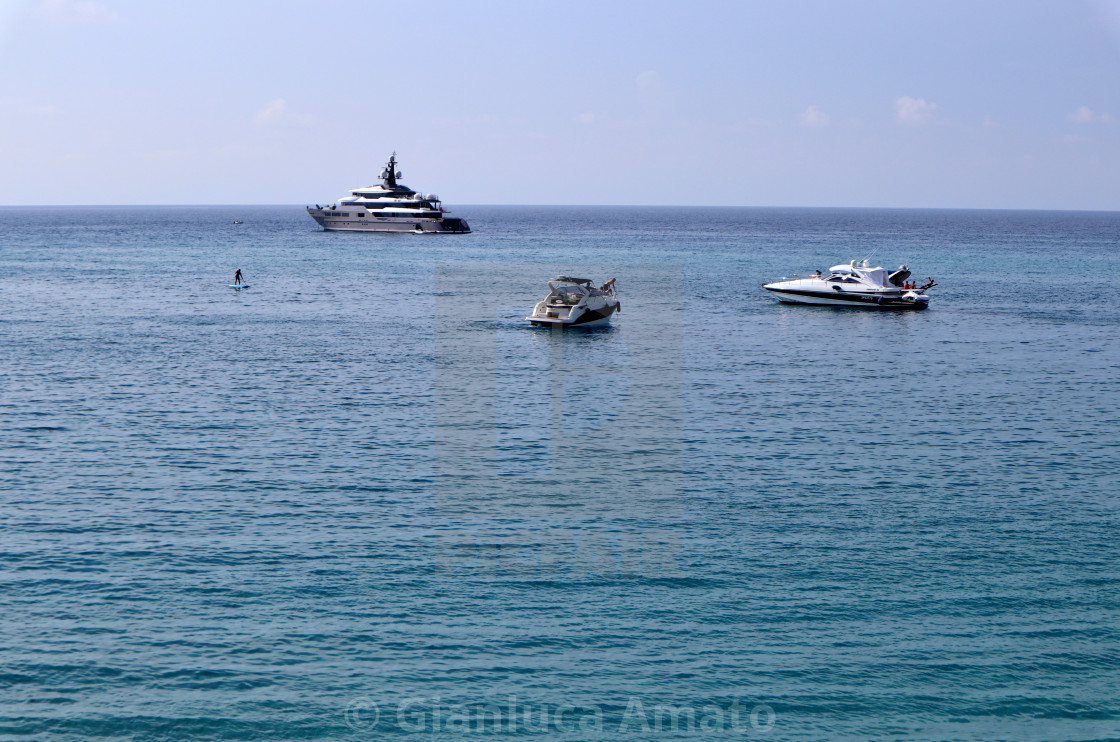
[(354, 223)]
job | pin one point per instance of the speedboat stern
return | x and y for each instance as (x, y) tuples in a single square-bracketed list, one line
[(576, 302)]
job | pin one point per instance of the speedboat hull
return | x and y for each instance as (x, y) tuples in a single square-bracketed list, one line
[(877, 300), (597, 318)]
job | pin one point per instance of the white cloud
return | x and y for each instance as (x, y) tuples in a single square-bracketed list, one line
[(652, 92), (23, 107), (271, 113), (72, 11), (277, 113), (649, 80), (1086, 115), (171, 155), (815, 117), (587, 117), (914, 111)]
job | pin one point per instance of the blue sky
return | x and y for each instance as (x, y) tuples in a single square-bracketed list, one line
[(977, 104)]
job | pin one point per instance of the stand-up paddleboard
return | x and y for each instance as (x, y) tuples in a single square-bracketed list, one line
[(239, 286)]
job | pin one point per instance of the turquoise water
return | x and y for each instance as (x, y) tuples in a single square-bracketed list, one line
[(364, 500)]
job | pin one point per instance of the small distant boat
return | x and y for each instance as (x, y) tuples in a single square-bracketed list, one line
[(575, 302), (238, 221), (854, 286)]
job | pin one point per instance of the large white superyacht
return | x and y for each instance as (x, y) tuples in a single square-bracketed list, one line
[(388, 207)]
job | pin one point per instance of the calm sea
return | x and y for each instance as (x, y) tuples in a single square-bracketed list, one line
[(363, 500)]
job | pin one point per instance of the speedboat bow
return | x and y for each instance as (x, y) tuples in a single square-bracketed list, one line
[(854, 286), (575, 302)]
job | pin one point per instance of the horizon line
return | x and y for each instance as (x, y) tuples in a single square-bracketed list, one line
[(593, 206)]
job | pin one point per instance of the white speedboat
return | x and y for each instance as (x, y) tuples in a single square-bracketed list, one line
[(575, 302), (388, 207), (854, 286)]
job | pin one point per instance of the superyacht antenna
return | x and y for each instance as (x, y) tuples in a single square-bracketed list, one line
[(391, 171)]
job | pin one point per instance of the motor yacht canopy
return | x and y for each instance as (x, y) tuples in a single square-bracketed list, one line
[(876, 276)]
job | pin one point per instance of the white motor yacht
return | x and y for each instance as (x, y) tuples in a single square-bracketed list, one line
[(388, 207), (575, 302), (854, 285)]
